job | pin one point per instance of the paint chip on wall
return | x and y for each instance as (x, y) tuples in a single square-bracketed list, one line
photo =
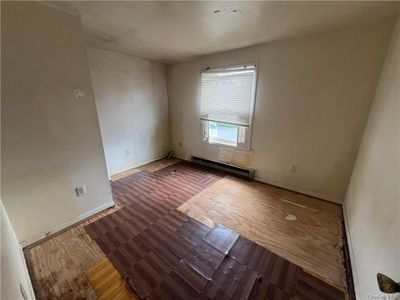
[(235, 157)]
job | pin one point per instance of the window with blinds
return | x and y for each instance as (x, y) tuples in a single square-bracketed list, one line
[(226, 105)]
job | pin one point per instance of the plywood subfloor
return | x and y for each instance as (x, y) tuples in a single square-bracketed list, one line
[(57, 265), (302, 229)]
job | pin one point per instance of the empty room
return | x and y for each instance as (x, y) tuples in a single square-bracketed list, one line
[(200, 150)]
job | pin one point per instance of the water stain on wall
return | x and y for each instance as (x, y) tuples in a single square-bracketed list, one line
[(236, 157)]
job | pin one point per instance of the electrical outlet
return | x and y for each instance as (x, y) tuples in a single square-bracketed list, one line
[(294, 169), (80, 191)]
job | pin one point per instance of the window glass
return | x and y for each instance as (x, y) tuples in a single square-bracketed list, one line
[(223, 133), (227, 97)]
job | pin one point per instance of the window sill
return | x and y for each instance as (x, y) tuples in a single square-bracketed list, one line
[(222, 142), (221, 145)]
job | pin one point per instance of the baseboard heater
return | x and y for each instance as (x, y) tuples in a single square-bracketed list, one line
[(229, 168)]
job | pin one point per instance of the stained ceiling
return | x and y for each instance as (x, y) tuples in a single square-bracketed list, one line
[(172, 31)]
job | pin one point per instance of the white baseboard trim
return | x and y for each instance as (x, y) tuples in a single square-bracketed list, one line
[(31, 293), (42, 235), (351, 253), (139, 164), (282, 185), (181, 157), (295, 189)]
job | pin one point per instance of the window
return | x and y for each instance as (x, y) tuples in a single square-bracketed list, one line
[(226, 105)]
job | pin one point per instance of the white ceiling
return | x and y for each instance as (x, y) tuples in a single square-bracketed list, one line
[(175, 31)]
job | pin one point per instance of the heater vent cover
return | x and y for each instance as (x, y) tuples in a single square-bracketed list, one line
[(229, 168)]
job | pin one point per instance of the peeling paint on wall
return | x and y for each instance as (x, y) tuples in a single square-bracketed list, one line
[(235, 156)]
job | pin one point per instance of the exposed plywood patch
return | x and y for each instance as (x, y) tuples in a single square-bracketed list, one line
[(302, 229), (164, 254), (57, 265)]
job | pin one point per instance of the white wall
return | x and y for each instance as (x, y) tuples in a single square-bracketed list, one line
[(51, 141), (313, 97), (13, 268), (132, 104), (372, 204)]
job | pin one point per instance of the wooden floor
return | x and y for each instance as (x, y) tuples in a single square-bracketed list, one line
[(302, 229), (58, 264), (151, 167), (108, 283)]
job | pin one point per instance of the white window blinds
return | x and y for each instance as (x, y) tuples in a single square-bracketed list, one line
[(227, 95)]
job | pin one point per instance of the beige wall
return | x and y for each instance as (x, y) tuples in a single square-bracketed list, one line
[(132, 104), (50, 140), (313, 97), (372, 203), (13, 268)]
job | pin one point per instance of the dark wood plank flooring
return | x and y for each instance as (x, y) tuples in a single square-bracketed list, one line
[(57, 265), (164, 254)]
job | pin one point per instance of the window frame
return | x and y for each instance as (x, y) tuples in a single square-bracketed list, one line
[(249, 134)]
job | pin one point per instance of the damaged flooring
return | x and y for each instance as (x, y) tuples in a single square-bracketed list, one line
[(177, 257), (108, 283), (58, 265), (304, 230)]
